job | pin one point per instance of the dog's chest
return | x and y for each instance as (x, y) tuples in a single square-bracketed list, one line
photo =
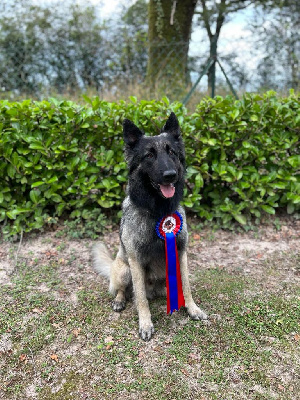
[(139, 237), (148, 246)]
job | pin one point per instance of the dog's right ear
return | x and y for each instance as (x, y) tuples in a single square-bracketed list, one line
[(131, 133)]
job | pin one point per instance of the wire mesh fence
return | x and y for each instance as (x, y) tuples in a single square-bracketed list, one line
[(51, 48), (66, 49)]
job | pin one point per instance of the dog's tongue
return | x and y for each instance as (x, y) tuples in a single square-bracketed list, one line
[(167, 190)]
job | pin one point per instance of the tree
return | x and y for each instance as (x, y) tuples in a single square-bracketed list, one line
[(78, 50), (169, 33), (129, 44), (170, 25), (61, 48), (213, 15), (275, 28), (22, 58)]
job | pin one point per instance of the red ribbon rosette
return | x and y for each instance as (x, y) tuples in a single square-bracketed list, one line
[(167, 229)]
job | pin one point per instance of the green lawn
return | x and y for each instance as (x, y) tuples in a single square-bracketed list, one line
[(61, 340)]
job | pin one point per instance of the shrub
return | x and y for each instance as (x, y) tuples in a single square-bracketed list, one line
[(61, 159), (246, 156)]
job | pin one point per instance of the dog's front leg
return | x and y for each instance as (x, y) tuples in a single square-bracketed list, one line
[(194, 311), (146, 328)]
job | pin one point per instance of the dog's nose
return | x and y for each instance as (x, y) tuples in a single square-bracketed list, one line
[(169, 175)]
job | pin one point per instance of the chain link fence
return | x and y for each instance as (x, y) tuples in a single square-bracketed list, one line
[(50, 48)]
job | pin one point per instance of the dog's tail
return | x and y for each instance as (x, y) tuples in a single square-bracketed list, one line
[(102, 260)]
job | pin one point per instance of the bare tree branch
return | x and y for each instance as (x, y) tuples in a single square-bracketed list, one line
[(206, 19), (221, 17)]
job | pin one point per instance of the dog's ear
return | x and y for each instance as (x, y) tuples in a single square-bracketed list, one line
[(172, 126), (131, 133)]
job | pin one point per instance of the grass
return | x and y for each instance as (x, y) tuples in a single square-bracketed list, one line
[(60, 347), (123, 91)]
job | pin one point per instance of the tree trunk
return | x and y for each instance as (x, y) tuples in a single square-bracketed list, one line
[(169, 34), (211, 76), (294, 64), (213, 38)]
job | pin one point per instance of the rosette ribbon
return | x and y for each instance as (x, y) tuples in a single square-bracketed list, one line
[(167, 229)]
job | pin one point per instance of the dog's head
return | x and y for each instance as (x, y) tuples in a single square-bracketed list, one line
[(158, 159)]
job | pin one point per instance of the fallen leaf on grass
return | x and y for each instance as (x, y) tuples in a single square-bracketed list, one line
[(109, 340), (23, 358), (297, 337), (184, 371), (76, 331), (54, 357), (37, 310), (196, 236), (50, 254), (193, 356)]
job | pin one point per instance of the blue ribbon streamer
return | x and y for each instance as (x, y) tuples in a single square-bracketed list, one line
[(172, 273)]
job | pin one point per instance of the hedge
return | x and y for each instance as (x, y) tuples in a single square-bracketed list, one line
[(61, 159)]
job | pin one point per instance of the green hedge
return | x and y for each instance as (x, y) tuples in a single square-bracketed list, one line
[(61, 159)]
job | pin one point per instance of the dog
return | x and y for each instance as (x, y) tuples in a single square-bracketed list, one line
[(155, 188)]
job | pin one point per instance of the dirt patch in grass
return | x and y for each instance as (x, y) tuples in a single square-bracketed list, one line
[(59, 338)]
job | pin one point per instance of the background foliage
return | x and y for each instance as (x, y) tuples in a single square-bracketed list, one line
[(59, 159), (51, 48)]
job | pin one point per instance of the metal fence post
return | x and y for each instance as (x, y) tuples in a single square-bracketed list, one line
[(210, 61), (227, 80)]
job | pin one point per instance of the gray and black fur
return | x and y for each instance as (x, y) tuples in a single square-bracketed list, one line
[(154, 163)]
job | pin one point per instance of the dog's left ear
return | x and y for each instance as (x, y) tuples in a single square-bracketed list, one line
[(172, 126)]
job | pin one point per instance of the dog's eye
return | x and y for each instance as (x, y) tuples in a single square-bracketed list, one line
[(149, 155), (171, 152)]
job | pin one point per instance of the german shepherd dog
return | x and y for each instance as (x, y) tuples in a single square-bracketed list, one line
[(155, 188)]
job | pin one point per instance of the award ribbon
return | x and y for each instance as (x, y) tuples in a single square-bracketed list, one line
[(167, 229)]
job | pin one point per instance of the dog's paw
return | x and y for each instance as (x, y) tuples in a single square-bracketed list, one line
[(196, 313), (118, 306), (146, 331)]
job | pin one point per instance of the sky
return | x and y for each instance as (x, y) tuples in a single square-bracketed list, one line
[(109, 7)]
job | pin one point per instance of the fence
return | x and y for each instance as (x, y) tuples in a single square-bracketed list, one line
[(52, 48)]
